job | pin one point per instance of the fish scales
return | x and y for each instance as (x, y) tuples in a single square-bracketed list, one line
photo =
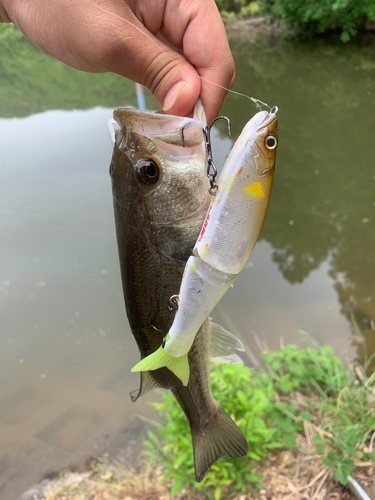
[(157, 225)]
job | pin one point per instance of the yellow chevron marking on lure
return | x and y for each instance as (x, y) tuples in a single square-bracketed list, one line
[(204, 251), (255, 190), (193, 267), (228, 187)]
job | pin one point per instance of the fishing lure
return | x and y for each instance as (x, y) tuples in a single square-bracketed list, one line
[(229, 233)]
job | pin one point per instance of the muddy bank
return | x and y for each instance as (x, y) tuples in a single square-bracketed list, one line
[(285, 477), (254, 25), (259, 25)]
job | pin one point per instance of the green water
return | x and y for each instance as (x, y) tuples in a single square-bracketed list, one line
[(65, 346), (323, 201)]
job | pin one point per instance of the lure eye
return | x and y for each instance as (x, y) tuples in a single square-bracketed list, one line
[(148, 171), (270, 142)]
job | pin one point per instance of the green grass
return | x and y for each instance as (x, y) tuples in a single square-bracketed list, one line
[(340, 406), (296, 387)]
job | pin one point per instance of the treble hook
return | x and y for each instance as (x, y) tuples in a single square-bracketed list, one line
[(172, 306), (210, 161), (173, 302)]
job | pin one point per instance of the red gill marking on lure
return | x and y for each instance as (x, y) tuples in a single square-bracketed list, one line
[(183, 276), (205, 224)]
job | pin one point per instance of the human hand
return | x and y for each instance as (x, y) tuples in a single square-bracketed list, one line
[(167, 46)]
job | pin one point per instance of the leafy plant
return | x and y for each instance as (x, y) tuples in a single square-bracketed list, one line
[(248, 400), (265, 406), (252, 9), (231, 9), (304, 17), (231, 5), (292, 369), (343, 410), (318, 16)]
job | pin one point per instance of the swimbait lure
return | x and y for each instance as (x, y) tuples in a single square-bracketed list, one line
[(229, 233)]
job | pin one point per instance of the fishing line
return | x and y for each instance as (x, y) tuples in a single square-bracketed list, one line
[(258, 102)]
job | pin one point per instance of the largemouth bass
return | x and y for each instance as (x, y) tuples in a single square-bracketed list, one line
[(160, 195), (229, 233)]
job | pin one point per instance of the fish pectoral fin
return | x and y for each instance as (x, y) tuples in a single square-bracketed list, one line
[(222, 439), (160, 358), (222, 343), (147, 384)]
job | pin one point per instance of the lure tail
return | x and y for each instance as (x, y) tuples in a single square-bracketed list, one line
[(222, 439), (160, 358)]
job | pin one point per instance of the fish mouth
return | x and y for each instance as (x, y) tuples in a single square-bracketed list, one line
[(173, 130)]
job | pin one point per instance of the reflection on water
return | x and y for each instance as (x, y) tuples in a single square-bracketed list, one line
[(66, 348), (322, 211)]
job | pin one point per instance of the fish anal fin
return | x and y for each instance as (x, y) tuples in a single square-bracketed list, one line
[(147, 383), (222, 439), (222, 344)]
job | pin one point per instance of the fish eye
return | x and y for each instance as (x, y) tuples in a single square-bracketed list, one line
[(148, 171), (270, 142)]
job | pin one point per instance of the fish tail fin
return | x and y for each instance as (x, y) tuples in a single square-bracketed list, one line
[(223, 439), (160, 358)]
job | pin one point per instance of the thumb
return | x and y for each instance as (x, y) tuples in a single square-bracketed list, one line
[(178, 91), (174, 82)]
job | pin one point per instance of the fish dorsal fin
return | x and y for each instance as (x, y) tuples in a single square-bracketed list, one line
[(222, 343), (147, 383)]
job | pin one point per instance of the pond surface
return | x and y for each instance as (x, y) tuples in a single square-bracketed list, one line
[(65, 346)]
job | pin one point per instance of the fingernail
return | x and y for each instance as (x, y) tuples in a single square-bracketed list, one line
[(172, 95)]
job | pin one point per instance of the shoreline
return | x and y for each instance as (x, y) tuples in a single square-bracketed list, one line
[(103, 479), (255, 24), (258, 25)]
